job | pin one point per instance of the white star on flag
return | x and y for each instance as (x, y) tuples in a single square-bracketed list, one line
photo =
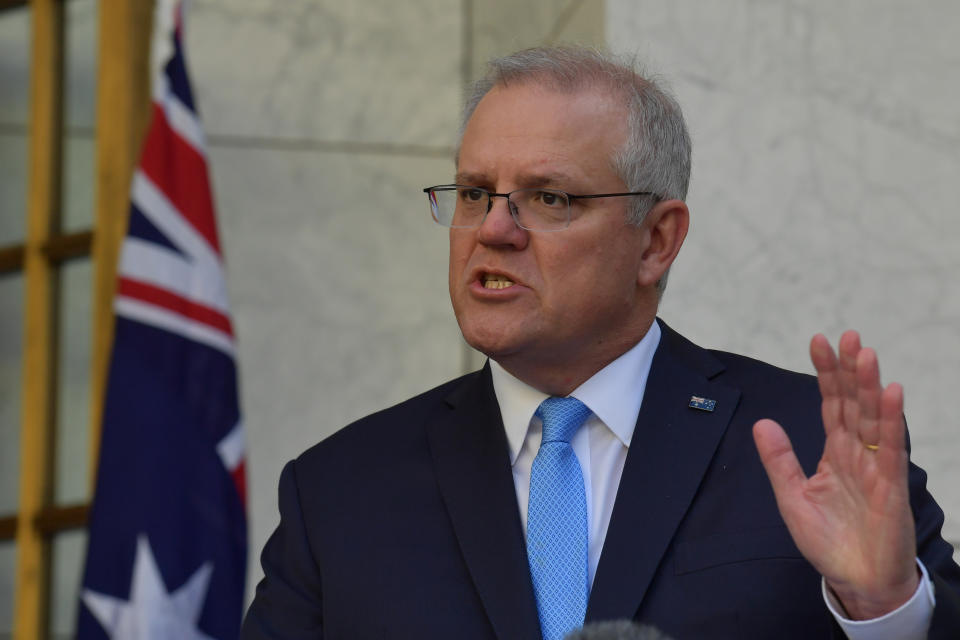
[(152, 613)]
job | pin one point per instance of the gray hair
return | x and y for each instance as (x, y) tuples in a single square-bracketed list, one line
[(656, 154)]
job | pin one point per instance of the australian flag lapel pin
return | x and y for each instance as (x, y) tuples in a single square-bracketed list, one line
[(703, 404)]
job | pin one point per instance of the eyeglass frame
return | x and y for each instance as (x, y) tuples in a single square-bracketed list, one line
[(512, 207)]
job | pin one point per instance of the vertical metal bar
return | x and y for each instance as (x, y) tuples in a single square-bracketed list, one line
[(123, 113), (40, 318)]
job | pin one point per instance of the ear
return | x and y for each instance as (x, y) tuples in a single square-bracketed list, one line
[(666, 225)]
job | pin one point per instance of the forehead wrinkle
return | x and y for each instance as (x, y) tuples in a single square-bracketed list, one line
[(503, 152)]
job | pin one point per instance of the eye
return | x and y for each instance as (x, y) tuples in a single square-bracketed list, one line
[(551, 199), (472, 195)]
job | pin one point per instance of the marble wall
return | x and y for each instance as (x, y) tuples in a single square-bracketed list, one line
[(826, 156), (325, 120), (825, 144)]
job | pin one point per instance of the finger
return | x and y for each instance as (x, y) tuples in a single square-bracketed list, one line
[(828, 379), (847, 353), (868, 396), (780, 462), (891, 452)]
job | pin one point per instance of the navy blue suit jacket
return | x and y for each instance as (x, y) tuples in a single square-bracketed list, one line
[(405, 524)]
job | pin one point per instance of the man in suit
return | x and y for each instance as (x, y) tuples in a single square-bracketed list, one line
[(454, 515)]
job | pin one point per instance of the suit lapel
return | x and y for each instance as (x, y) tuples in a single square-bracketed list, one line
[(670, 451), (472, 462)]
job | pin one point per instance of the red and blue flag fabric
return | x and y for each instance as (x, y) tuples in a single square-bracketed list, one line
[(167, 548)]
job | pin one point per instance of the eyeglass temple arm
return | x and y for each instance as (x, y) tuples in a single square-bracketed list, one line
[(611, 195)]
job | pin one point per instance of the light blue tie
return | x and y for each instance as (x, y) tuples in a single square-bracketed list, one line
[(557, 521)]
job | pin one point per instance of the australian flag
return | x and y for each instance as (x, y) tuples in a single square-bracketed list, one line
[(168, 540)]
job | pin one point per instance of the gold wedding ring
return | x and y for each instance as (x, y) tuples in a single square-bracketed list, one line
[(872, 447)]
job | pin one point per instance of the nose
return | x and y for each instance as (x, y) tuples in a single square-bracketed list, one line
[(499, 228)]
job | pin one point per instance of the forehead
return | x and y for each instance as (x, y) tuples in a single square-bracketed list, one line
[(528, 129)]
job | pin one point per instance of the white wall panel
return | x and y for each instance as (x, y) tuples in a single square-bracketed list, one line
[(826, 155)]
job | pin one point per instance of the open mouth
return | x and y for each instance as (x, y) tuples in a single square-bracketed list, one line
[(493, 281)]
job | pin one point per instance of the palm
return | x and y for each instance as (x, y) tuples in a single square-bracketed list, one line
[(852, 518)]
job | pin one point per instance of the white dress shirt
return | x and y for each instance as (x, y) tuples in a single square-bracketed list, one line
[(614, 395)]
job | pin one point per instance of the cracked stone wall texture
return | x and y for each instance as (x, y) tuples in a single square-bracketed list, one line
[(826, 155)]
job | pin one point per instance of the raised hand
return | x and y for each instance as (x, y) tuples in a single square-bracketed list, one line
[(851, 519)]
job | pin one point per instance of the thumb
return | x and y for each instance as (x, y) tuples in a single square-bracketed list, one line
[(776, 453)]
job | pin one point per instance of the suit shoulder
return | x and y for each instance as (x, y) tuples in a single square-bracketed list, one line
[(732, 368), (388, 427), (747, 369)]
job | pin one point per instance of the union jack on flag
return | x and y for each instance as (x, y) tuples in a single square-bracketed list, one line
[(167, 549)]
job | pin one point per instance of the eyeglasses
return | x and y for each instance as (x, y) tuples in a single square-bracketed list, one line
[(460, 207)]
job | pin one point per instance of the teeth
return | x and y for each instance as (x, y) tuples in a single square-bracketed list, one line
[(491, 281)]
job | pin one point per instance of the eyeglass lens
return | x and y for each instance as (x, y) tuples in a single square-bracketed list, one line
[(461, 207)]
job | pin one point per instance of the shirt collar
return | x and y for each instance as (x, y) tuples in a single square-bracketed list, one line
[(614, 394)]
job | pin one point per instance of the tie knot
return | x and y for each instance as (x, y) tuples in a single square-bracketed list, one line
[(561, 418)]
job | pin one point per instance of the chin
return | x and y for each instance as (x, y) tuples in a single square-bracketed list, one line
[(491, 342), (494, 330), (485, 344)]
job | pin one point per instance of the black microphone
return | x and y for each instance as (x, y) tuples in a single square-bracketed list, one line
[(616, 630)]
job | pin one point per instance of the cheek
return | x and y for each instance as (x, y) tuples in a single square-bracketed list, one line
[(459, 253), (566, 280), (599, 275)]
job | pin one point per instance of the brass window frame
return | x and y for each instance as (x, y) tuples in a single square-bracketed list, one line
[(123, 108)]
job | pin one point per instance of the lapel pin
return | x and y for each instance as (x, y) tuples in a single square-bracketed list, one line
[(704, 404)]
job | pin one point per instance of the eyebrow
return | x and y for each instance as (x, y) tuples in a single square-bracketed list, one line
[(469, 179), (525, 180), (550, 179)]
